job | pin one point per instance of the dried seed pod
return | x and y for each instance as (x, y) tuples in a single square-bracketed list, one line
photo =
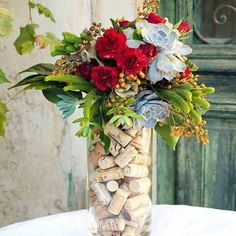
[(134, 170), (118, 201), (101, 192)]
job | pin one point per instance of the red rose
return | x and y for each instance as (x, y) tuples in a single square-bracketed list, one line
[(105, 77), (155, 19), (149, 50), (124, 23), (132, 61), (184, 27), (111, 44), (84, 69)]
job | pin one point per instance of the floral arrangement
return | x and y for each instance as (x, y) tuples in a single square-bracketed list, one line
[(135, 73)]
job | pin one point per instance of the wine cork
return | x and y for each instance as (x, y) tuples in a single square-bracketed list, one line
[(119, 135), (134, 170), (126, 156), (137, 201), (106, 162), (114, 148), (142, 142), (109, 174), (139, 212), (140, 185), (111, 224), (99, 149), (129, 231), (132, 224), (118, 201), (101, 210), (141, 159), (131, 132), (101, 192), (94, 158), (111, 233), (112, 186)]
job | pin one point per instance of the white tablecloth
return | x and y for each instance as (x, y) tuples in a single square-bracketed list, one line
[(167, 221)]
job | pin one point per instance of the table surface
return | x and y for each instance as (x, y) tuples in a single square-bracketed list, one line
[(166, 221)]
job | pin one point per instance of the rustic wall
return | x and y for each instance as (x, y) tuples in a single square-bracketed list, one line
[(42, 164)]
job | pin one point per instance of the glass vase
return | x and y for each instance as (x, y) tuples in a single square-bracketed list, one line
[(119, 183)]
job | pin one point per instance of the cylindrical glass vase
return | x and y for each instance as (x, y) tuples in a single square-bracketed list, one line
[(119, 184)]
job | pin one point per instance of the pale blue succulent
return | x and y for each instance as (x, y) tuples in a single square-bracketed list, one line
[(151, 107), (169, 61)]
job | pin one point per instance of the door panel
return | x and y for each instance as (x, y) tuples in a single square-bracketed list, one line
[(205, 175)]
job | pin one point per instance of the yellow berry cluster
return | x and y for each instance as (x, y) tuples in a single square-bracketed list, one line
[(124, 80), (148, 7), (64, 66)]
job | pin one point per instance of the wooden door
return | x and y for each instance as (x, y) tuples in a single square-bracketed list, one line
[(196, 174)]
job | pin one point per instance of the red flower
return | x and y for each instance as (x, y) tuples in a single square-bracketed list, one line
[(132, 61), (84, 69), (124, 23), (111, 44), (155, 19), (184, 27), (149, 50), (186, 73), (105, 77)]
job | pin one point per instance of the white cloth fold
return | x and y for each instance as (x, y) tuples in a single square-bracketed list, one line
[(167, 221)]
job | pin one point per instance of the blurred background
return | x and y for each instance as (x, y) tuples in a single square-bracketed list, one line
[(43, 165)]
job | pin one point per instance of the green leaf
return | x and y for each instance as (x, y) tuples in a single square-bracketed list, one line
[(115, 24), (89, 100), (3, 118), (41, 69), (74, 82), (49, 40), (114, 119), (29, 80), (39, 85), (51, 94), (42, 10), (106, 140), (26, 40), (3, 78), (165, 132), (5, 22)]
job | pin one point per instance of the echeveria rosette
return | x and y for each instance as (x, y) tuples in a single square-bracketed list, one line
[(169, 60), (151, 108)]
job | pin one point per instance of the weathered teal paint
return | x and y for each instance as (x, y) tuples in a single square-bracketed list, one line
[(69, 190), (203, 175)]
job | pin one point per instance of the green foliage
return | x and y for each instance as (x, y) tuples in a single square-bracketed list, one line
[(26, 40), (41, 69), (3, 112), (42, 10), (165, 131), (73, 82), (5, 22), (3, 78), (106, 140), (48, 40)]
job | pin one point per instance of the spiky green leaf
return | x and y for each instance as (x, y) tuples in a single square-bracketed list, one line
[(3, 78)]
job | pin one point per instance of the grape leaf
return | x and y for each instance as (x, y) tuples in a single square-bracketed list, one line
[(3, 112), (3, 78), (165, 132), (42, 10), (49, 40), (5, 22), (26, 40)]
